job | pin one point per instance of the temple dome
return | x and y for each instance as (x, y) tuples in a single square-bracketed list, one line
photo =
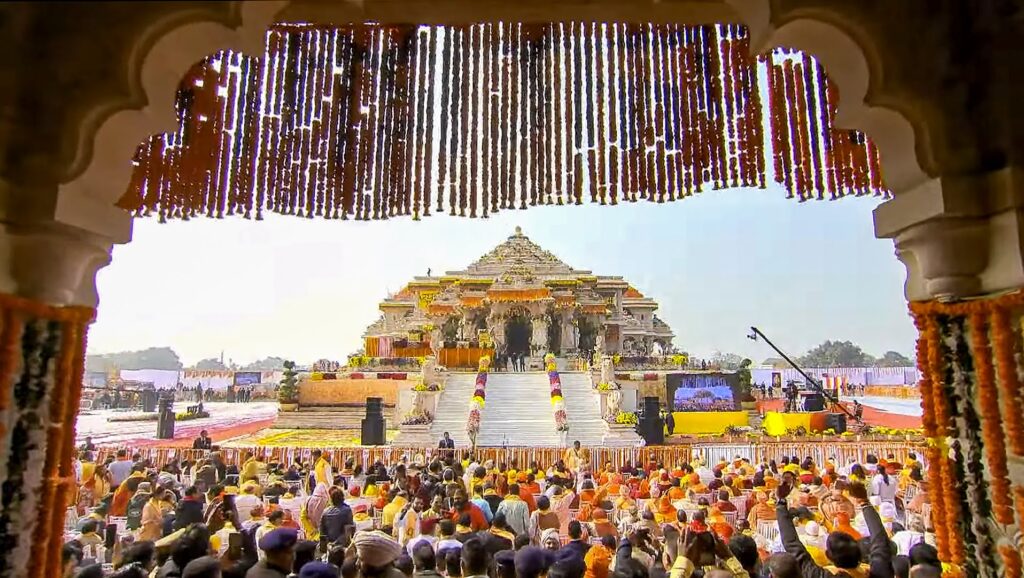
[(520, 255)]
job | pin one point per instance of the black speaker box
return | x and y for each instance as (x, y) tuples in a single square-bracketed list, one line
[(374, 406), (651, 405), (373, 432), (814, 402), (651, 426), (836, 421)]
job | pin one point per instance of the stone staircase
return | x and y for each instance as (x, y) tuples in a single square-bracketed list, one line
[(518, 411), (583, 406), (453, 409)]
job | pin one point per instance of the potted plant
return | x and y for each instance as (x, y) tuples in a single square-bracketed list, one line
[(288, 390)]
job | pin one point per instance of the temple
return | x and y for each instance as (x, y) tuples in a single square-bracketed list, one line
[(517, 299)]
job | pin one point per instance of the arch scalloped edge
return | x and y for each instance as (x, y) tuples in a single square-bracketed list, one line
[(846, 63), (164, 65)]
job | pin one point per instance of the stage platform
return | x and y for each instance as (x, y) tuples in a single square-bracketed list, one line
[(708, 422), (777, 423)]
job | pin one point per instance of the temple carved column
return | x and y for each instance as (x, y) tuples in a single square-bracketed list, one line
[(539, 338), (568, 333)]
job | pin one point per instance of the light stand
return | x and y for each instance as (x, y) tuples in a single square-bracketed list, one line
[(756, 333)]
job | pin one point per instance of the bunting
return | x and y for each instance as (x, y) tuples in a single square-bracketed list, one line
[(374, 121)]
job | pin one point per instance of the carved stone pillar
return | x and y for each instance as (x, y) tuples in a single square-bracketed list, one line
[(47, 300), (568, 333), (958, 237), (539, 338)]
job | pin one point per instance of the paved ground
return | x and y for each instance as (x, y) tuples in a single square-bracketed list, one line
[(227, 420), (251, 422), (878, 411), (909, 407)]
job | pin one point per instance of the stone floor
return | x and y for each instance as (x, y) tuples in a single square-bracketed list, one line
[(227, 420)]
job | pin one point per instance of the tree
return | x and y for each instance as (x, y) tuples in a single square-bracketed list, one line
[(211, 364), (836, 354), (266, 364), (894, 359), (151, 358), (744, 378), (726, 361), (288, 392)]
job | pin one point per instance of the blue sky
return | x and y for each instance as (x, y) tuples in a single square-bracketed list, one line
[(718, 263)]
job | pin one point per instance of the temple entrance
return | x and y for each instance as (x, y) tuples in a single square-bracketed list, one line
[(517, 334), (554, 334), (588, 336)]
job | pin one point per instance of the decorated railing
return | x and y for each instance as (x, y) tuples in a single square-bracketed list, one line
[(761, 451), (358, 363), (476, 403), (557, 401), (657, 363)]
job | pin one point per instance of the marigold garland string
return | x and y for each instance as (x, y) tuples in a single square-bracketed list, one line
[(1005, 344), (949, 494), (994, 344), (339, 122), (995, 450)]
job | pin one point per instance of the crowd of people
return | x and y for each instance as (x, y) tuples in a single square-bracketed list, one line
[(451, 517)]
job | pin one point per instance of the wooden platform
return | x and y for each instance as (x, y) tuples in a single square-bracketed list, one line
[(340, 417)]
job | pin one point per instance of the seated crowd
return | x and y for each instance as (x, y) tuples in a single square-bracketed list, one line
[(421, 518)]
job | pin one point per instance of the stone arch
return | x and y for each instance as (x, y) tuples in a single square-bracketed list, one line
[(163, 53), (856, 67), (185, 41)]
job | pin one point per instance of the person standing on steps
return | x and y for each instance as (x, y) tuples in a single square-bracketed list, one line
[(446, 445)]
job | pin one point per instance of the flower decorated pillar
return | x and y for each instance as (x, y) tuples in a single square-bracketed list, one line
[(47, 301), (960, 239)]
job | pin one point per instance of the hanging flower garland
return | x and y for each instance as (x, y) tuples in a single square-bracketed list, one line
[(341, 128), (979, 377), (557, 401), (961, 389), (988, 401), (1005, 345), (947, 493)]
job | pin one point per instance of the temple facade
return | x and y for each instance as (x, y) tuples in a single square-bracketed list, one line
[(518, 299)]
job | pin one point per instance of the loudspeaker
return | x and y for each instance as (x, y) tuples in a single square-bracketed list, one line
[(165, 419), (836, 421), (814, 402), (652, 405), (651, 427), (374, 406), (373, 423)]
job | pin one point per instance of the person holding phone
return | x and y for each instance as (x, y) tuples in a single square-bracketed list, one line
[(705, 550), (840, 548)]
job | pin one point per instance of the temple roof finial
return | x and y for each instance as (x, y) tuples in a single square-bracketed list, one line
[(519, 231)]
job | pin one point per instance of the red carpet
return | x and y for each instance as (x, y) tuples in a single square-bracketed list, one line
[(184, 435)]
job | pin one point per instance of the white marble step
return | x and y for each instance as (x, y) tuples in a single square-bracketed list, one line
[(518, 411), (453, 408), (583, 406)]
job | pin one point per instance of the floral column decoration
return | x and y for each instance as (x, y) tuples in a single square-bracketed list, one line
[(969, 355), (476, 405), (557, 401), (42, 360)]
